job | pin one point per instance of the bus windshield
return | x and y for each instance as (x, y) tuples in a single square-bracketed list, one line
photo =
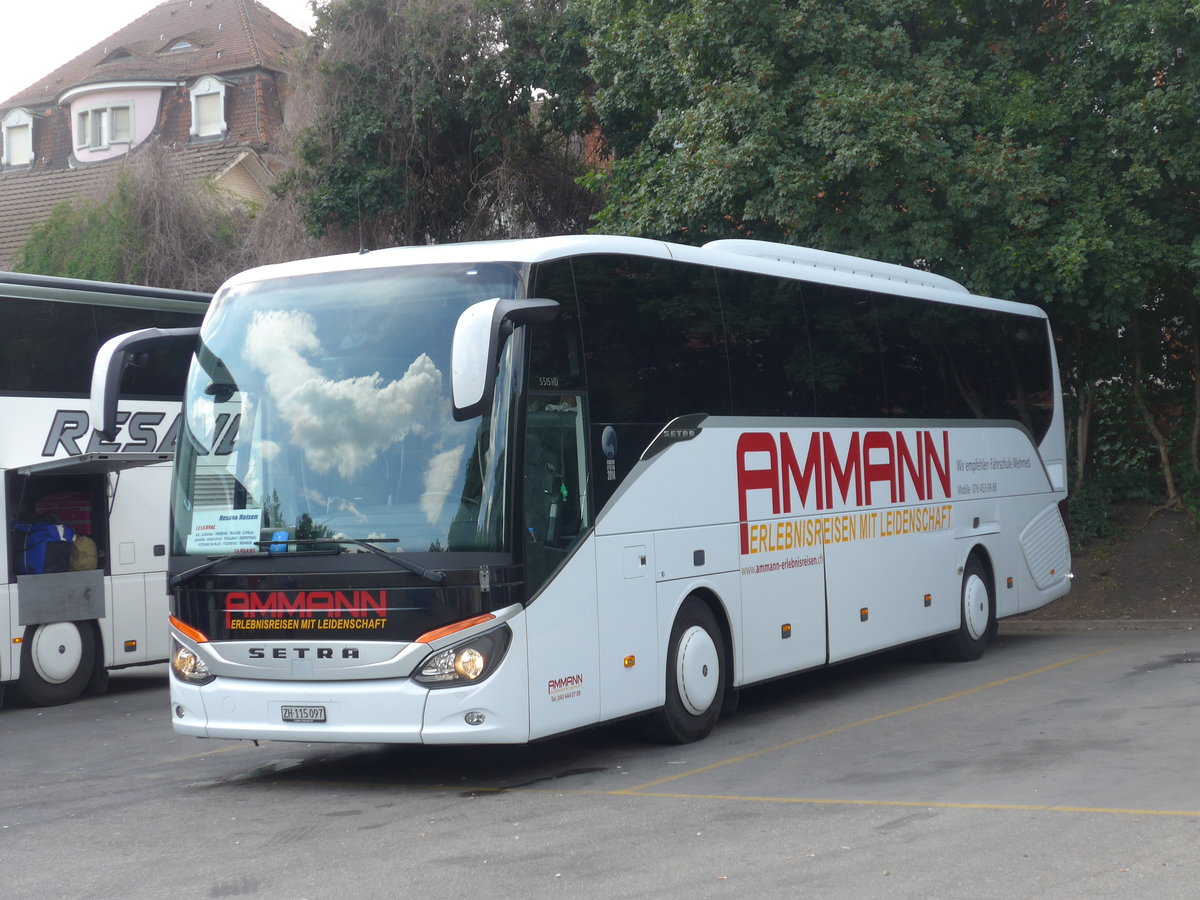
[(318, 409)]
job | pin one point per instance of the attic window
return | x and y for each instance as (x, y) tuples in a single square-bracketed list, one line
[(208, 108), (118, 54), (18, 139), (101, 127), (180, 45)]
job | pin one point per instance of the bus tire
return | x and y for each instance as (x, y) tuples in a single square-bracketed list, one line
[(57, 661), (977, 616), (98, 683), (695, 677)]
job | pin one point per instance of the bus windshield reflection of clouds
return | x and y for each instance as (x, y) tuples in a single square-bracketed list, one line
[(340, 415)]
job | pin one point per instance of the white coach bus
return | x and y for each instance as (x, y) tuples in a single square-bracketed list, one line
[(495, 492), (66, 619)]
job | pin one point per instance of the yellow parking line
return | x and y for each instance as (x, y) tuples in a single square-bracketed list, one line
[(879, 718), (822, 801)]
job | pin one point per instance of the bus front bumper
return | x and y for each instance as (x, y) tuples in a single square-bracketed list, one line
[(391, 710)]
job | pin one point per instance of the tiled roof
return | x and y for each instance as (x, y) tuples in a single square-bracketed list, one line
[(225, 36), (28, 197)]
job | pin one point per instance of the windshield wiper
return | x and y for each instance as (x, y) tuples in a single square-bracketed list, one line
[(179, 579), (435, 575)]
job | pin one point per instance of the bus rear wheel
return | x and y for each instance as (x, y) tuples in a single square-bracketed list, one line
[(57, 661), (977, 617), (695, 677)]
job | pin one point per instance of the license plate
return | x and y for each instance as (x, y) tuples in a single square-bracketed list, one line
[(303, 713)]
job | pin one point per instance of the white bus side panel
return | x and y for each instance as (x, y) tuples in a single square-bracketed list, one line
[(10, 653), (681, 506), (877, 587), (783, 616), (138, 604), (137, 612), (628, 624), (564, 683), (138, 521)]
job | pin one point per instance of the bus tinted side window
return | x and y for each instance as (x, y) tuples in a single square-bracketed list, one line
[(555, 354), (770, 363), (653, 349), (1024, 383), (847, 360), (959, 362), (51, 347), (914, 335), (653, 339)]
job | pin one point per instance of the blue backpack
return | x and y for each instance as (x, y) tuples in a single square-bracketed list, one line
[(47, 548)]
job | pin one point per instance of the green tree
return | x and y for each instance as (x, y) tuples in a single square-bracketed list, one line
[(431, 120), (828, 123)]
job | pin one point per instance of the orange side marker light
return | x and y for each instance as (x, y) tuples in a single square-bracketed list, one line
[(188, 631)]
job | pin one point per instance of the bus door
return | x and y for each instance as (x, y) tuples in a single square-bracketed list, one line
[(562, 611)]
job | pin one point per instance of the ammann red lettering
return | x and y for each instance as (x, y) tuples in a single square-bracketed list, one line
[(874, 467), (304, 604)]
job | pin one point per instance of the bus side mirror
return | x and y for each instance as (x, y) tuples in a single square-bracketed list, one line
[(476, 348), (115, 356)]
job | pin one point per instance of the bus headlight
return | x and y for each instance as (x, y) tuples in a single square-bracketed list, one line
[(471, 661), (187, 666)]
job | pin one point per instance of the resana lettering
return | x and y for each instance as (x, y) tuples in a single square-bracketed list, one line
[(71, 429), (875, 467), (304, 604)]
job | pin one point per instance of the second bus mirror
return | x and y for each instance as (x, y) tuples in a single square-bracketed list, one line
[(115, 356), (476, 347)]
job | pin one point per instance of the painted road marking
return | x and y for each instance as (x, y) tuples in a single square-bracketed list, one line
[(859, 724)]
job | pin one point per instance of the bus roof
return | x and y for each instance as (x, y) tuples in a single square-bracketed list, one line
[(763, 257), (53, 287)]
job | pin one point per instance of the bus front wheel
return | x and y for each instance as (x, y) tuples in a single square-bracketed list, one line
[(977, 617), (57, 661), (695, 677)]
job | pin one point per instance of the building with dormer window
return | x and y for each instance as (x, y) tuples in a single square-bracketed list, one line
[(205, 78)]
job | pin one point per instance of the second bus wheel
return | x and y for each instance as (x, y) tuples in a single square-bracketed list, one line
[(57, 661), (977, 616), (695, 677)]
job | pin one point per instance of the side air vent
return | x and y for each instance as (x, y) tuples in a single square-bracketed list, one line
[(1047, 548)]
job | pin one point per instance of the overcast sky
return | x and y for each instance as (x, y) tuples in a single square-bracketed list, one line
[(41, 35)]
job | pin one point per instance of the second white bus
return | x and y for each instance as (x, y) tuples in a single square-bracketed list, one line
[(62, 628), (495, 492)]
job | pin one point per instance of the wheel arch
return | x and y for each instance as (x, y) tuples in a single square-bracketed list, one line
[(969, 641), (707, 595), (981, 552)]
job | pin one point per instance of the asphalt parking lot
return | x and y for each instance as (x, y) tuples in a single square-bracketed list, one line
[(1062, 764)]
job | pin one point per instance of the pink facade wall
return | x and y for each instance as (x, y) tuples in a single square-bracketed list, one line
[(145, 104)]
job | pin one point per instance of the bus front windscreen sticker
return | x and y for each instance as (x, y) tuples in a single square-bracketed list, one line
[(225, 531)]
